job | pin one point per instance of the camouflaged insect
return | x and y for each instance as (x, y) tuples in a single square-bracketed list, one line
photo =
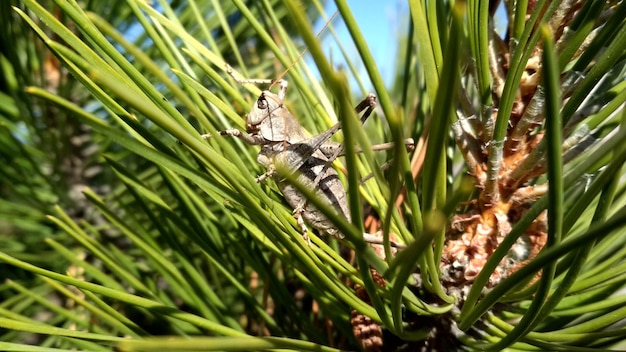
[(286, 146)]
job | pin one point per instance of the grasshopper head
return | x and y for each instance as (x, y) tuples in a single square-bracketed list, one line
[(266, 117)]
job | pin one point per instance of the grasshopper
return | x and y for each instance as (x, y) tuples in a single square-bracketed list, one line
[(284, 142)]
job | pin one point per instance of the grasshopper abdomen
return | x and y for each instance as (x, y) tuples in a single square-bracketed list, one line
[(315, 174)]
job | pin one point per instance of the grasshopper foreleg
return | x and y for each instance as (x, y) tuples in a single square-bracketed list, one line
[(271, 169), (248, 138), (252, 139)]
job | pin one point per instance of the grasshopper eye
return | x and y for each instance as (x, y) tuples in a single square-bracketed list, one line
[(261, 103)]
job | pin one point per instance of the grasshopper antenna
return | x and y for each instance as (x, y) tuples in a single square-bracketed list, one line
[(280, 77)]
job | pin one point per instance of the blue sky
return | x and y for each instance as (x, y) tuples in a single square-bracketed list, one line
[(379, 21)]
